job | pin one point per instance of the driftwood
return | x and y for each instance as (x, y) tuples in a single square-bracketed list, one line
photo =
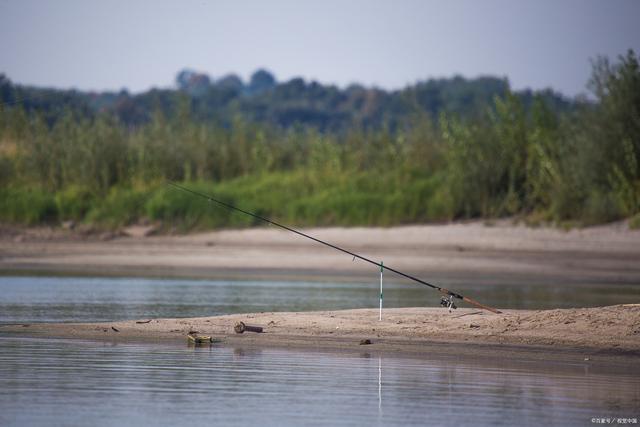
[(240, 327)]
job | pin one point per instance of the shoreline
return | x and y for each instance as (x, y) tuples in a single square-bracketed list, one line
[(448, 254), (604, 333), (441, 254)]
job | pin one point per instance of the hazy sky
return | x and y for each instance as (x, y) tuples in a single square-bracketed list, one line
[(139, 44)]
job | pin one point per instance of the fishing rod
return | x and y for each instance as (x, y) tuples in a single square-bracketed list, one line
[(446, 301)]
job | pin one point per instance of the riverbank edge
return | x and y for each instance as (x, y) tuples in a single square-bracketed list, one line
[(321, 331), (447, 254)]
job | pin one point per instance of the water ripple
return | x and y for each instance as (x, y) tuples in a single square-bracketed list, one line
[(62, 382)]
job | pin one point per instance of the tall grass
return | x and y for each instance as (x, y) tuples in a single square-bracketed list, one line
[(583, 167)]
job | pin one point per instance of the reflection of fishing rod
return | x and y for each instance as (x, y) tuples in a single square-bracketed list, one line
[(446, 301)]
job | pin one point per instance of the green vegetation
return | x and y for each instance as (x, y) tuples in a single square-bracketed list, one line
[(264, 101), (511, 156)]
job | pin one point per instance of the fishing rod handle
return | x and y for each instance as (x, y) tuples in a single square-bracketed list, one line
[(477, 304)]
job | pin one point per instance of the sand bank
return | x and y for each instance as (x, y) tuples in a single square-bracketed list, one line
[(500, 253), (578, 334)]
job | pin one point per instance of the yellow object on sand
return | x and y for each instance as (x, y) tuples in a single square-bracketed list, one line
[(199, 339)]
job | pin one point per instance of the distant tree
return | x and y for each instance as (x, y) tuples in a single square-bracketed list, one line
[(192, 82), (615, 127), (292, 103), (261, 81), (183, 77), (230, 81), (5, 88), (294, 88)]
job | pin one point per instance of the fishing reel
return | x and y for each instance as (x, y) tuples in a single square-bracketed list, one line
[(447, 302)]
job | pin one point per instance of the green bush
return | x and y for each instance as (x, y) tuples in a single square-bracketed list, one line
[(27, 206), (602, 208), (74, 202), (121, 206)]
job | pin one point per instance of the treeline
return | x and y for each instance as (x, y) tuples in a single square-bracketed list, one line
[(263, 100), (512, 156)]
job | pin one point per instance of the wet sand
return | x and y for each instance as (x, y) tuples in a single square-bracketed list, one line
[(605, 333)]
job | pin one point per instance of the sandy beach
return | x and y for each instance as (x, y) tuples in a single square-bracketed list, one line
[(604, 333), (499, 253)]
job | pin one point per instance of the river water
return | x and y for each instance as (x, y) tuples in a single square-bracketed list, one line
[(87, 299), (61, 382), (76, 383)]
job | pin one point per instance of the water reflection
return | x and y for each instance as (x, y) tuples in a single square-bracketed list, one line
[(380, 386), (57, 382)]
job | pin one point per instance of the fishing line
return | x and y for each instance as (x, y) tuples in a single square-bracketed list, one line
[(446, 301)]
